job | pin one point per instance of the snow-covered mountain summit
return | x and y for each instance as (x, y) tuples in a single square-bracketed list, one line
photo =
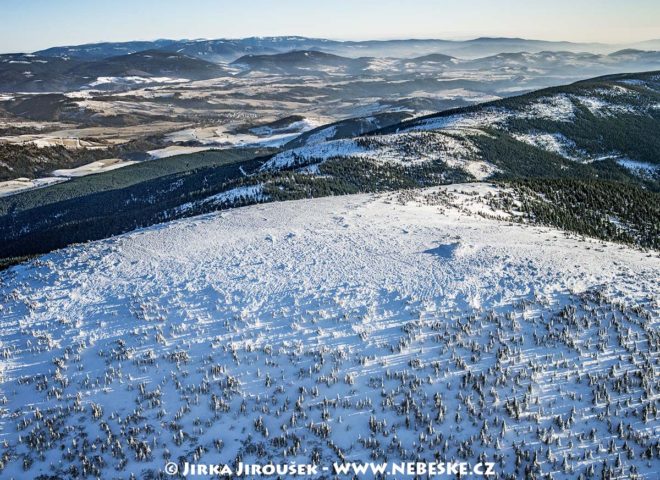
[(401, 326)]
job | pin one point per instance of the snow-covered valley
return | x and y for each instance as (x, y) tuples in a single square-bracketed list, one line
[(402, 326)]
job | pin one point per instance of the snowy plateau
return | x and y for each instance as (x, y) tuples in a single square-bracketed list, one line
[(418, 325)]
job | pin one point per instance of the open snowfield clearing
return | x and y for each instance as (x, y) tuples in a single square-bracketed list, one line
[(11, 187), (99, 166), (395, 327)]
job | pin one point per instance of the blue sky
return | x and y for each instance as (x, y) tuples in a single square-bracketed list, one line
[(27, 25)]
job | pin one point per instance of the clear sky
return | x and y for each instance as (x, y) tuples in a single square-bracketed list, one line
[(28, 25)]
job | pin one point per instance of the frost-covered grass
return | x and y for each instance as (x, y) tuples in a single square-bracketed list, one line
[(403, 326)]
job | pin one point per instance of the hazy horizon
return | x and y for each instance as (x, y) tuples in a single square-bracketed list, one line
[(74, 22)]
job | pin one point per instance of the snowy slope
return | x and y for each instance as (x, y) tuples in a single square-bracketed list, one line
[(581, 122), (412, 148), (362, 328)]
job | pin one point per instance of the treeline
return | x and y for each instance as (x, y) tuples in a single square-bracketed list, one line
[(31, 161), (516, 159), (99, 206), (606, 210), (336, 176)]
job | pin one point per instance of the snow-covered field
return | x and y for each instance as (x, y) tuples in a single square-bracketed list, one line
[(135, 80), (11, 187), (99, 166), (101, 137), (402, 326), (18, 185)]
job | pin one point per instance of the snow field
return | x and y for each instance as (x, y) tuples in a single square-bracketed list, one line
[(365, 328)]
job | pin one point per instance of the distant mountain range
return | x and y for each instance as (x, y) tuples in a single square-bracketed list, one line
[(524, 63), (228, 50), (40, 73), (72, 68)]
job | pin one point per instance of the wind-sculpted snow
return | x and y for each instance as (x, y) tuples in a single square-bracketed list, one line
[(364, 328)]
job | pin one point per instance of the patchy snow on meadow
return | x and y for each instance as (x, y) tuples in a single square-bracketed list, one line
[(315, 153), (600, 107), (232, 197), (472, 120), (321, 136)]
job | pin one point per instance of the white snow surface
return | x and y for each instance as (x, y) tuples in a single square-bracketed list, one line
[(351, 326), (552, 142), (91, 168), (557, 107), (472, 120), (322, 135), (135, 80), (641, 168), (252, 193), (173, 150)]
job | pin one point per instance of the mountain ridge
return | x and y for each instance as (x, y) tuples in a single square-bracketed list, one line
[(234, 45), (599, 130)]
